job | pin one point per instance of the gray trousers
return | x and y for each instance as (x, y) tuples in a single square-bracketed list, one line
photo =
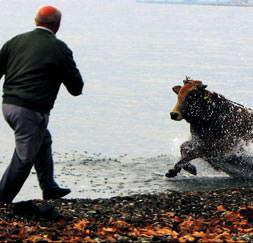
[(33, 147)]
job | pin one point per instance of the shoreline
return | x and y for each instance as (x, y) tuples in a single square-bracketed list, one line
[(223, 215), (196, 3)]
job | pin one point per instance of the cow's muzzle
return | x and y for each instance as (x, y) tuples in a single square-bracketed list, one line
[(176, 116)]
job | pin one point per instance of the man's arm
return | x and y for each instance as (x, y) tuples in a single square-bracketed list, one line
[(72, 78), (3, 61)]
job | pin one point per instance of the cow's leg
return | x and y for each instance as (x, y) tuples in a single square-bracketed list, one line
[(173, 172), (214, 163), (188, 152), (182, 164), (187, 166)]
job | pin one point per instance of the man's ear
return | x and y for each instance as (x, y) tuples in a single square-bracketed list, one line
[(176, 88)]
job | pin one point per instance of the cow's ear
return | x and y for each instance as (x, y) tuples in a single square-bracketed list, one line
[(202, 86), (176, 89)]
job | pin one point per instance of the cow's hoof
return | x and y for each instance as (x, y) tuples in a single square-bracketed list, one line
[(190, 168), (171, 173)]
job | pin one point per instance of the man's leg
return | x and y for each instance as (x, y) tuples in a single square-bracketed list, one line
[(28, 137), (13, 178), (44, 164)]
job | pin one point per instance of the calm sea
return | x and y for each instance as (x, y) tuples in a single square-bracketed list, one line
[(131, 54)]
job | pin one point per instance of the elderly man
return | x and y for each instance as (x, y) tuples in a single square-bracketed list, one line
[(35, 64)]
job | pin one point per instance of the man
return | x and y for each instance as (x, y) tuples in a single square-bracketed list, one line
[(35, 64)]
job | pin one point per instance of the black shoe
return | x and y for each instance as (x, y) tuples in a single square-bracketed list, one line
[(55, 193), (25, 208), (28, 208), (49, 212)]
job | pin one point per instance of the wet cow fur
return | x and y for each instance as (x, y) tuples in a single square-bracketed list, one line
[(218, 126)]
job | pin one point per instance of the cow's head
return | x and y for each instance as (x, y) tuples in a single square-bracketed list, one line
[(183, 92)]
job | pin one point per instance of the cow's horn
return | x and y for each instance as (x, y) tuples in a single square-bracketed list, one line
[(187, 79)]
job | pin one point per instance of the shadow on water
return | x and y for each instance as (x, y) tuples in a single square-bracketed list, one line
[(207, 183), (234, 171)]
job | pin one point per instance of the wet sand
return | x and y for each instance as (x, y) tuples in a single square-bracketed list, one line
[(92, 176)]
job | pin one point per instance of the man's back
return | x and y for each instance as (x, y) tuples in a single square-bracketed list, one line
[(35, 64)]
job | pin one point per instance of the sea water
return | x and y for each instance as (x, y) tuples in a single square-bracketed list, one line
[(117, 137)]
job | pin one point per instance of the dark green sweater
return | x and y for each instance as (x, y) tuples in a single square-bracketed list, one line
[(35, 64)]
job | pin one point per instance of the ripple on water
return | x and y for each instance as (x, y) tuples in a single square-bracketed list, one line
[(98, 176)]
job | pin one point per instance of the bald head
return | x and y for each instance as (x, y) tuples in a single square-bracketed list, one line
[(49, 17)]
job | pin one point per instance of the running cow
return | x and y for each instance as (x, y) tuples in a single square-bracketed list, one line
[(220, 128)]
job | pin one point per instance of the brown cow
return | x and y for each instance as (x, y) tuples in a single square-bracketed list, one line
[(218, 126)]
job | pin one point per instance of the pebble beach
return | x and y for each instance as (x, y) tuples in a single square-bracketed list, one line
[(223, 215)]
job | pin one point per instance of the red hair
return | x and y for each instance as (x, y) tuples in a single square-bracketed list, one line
[(49, 17), (48, 14)]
